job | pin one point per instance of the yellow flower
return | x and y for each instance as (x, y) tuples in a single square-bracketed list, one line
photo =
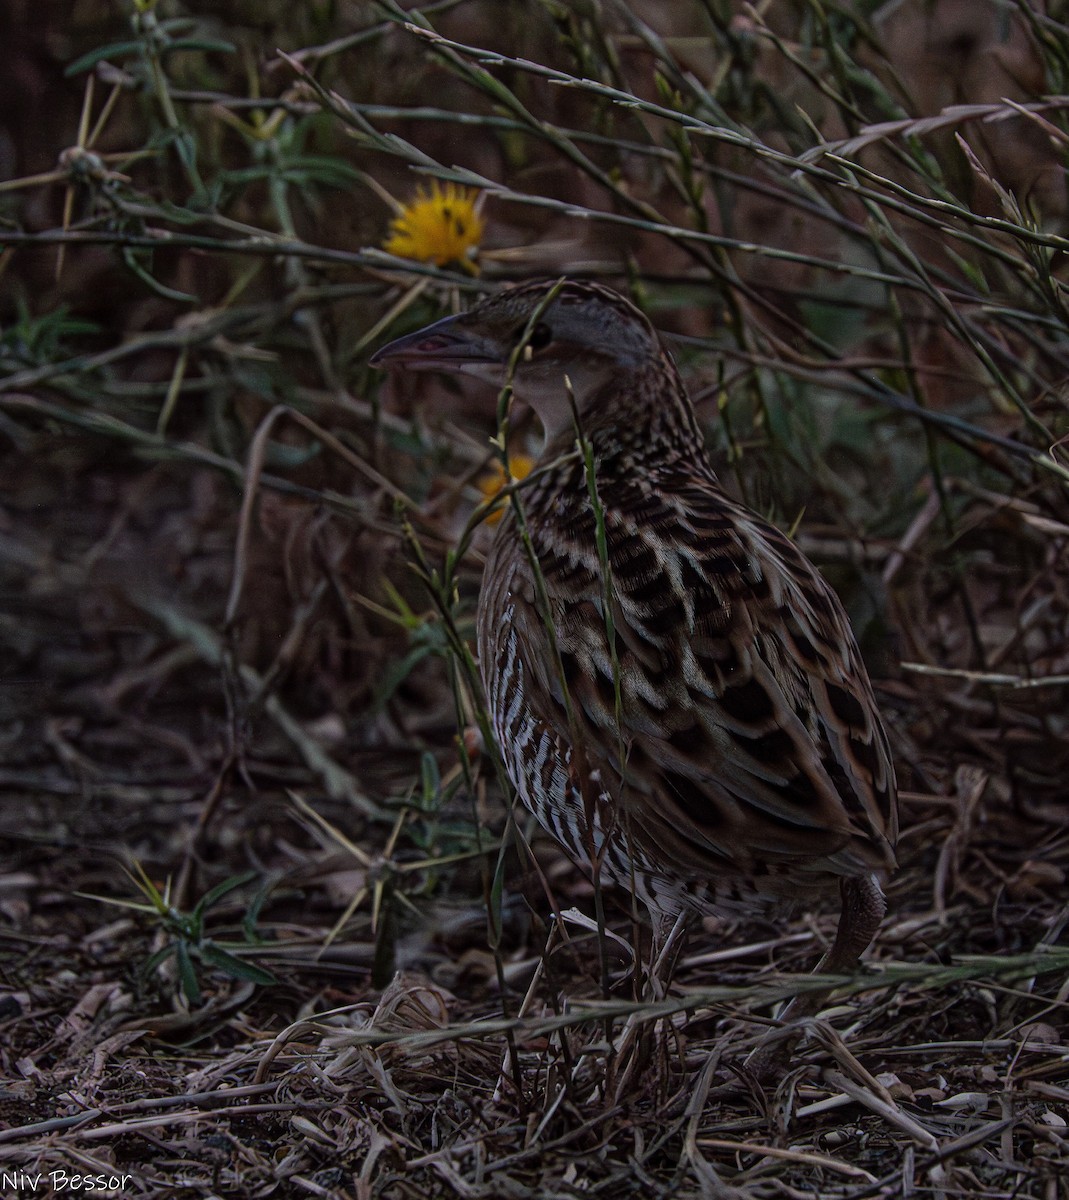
[(442, 226), (520, 466)]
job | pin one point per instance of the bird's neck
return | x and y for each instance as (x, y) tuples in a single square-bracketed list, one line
[(639, 418)]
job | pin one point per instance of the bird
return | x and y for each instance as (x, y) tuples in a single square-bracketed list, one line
[(676, 691)]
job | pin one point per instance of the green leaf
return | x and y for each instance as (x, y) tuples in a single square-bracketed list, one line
[(185, 148), (210, 44), (161, 289), (252, 914), (158, 958), (237, 968), (219, 891), (279, 454), (430, 781), (112, 50), (320, 168), (174, 26), (397, 673), (187, 976)]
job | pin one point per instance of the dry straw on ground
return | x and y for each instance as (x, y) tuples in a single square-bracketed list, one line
[(237, 725)]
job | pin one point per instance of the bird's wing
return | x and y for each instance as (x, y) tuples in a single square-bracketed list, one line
[(732, 712)]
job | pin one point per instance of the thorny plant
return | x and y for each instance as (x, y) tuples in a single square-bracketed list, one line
[(186, 939)]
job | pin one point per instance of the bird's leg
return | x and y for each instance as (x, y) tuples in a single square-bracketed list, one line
[(863, 908), (637, 1047), (669, 937)]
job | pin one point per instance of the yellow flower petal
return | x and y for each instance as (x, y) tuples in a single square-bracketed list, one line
[(441, 226), (520, 466)]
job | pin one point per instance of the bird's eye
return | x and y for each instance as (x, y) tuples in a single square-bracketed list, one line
[(540, 336)]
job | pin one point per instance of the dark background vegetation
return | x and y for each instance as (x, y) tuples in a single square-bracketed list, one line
[(238, 791)]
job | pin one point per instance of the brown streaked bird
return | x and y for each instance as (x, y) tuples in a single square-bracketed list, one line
[(685, 709)]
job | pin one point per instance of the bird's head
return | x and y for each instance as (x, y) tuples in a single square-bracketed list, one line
[(573, 338)]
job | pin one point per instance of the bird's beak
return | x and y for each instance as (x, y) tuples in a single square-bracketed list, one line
[(443, 346)]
